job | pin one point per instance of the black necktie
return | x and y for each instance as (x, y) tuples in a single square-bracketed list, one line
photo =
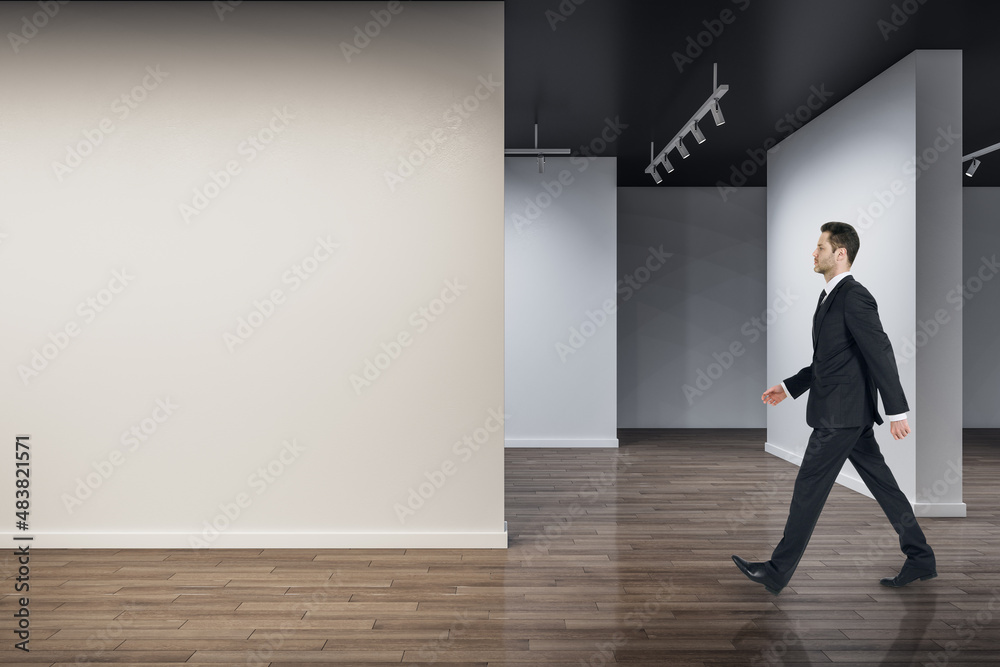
[(822, 295)]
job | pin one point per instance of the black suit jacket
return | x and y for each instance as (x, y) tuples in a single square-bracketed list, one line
[(852, 357)]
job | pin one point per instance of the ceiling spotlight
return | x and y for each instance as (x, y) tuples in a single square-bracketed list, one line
[(654, 161), (972, 167), (697, 134), (541, 164), (682, 149), (717, 113), (693, 128)]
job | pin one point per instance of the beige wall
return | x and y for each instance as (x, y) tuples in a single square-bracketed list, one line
[(249, 169)]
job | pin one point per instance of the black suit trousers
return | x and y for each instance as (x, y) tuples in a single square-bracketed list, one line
[(825, 454)]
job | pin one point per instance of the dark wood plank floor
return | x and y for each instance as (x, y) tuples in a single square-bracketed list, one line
[(616, 556)]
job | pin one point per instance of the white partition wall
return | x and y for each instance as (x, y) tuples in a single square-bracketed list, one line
[(935, 348), (251, 268), (887, 160), (561, 310)]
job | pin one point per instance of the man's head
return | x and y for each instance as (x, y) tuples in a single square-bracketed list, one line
[(836, 249)]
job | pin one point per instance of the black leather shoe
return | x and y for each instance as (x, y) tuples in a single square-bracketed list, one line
[(755, 572), (907, 575)]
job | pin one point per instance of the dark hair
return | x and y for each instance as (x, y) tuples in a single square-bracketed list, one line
[(842, 235)]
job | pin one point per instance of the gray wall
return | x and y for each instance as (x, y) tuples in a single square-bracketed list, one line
[(657, 336), (691, 350), (560, 324), (981, 310)]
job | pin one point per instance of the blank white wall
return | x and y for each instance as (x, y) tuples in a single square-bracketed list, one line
[(418, 257), (561, 330), (856, 163), (692, 327), (829, 170)]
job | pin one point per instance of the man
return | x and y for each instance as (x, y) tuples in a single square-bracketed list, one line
[(852, 358)]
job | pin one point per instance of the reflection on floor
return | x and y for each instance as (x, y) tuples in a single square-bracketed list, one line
[(616, 556)]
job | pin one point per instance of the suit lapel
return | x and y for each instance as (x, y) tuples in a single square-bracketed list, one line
[(824, 307)]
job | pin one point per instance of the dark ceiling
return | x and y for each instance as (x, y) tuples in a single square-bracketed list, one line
[(571, 66)]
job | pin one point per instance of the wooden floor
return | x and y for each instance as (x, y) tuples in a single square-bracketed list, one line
[(616, 556)]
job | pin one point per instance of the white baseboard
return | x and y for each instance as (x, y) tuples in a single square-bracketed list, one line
[(855, 484), (939, 509), (561, 442), (237, 540)]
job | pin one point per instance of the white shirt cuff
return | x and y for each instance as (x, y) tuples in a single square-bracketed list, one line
[(896, 418)]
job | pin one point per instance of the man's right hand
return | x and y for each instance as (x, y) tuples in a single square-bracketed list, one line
[(774, 395)]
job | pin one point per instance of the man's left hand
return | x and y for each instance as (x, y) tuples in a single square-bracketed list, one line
[(899, 429)]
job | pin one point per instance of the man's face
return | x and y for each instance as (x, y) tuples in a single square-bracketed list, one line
[(823, 256)]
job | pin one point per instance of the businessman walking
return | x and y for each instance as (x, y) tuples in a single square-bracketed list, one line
[(852, 358)]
